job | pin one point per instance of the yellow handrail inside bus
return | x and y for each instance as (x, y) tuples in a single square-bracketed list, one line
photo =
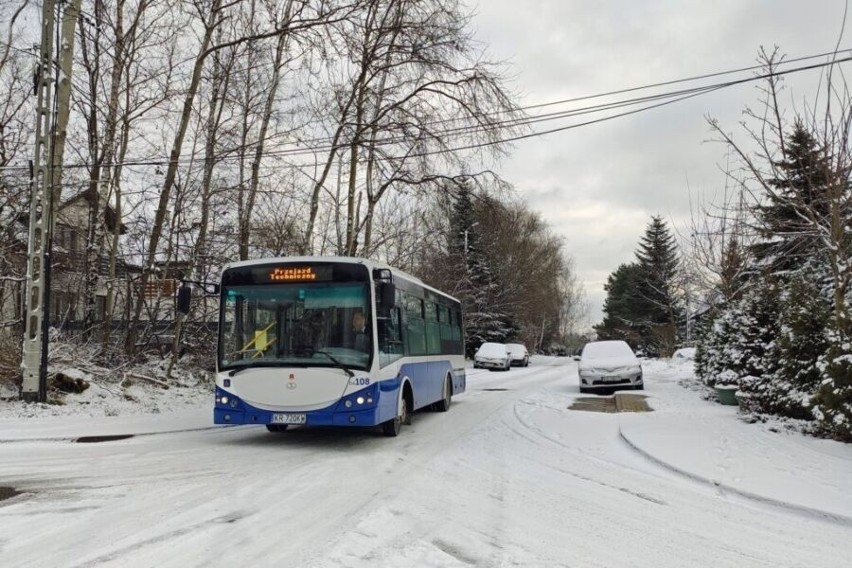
[(260, 341)]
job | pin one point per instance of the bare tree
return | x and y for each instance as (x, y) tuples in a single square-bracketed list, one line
[(821, 213), (310, 14), (113, 42), (15, 133), (414, 93)]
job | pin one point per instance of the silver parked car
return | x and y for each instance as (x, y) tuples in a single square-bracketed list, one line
[(609, 365), (492, 356), (518, 354)]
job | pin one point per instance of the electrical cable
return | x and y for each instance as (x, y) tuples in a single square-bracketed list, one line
[(304, 148)]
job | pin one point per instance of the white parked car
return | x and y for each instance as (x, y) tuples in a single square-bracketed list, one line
[(609, 365), (684, 354), (518, 354), (492, 356)]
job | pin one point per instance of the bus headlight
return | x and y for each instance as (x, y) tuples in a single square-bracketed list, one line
[(348, 403), (360, 400), (227, 400)]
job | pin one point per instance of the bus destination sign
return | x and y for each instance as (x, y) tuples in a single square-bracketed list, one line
[(292, 274)]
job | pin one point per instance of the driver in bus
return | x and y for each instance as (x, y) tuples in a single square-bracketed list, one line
[(361, 340)]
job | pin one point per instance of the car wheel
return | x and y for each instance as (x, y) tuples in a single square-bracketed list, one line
[(276, 427), (527, 362), (584, 390), (443, 405)]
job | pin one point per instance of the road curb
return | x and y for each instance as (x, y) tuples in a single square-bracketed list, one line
[(792, 507), (125, 434)]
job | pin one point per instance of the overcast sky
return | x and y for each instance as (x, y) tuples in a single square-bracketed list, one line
[(599, 185)]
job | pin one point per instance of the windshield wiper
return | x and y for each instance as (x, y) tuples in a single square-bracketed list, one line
[(338, 363), (257, 365)]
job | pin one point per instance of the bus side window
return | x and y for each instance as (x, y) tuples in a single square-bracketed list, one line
[(390, 337), (415, 331)]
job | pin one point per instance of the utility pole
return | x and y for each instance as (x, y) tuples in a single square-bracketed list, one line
[(34, 362), (46, 190)]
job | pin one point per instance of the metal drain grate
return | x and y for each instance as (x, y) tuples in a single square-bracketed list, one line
[(610, 404), (95, 439), (8, 493)]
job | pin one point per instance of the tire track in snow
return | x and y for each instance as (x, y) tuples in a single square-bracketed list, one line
[(726, 490)]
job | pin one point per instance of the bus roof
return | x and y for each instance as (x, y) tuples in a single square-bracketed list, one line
[(370, 264)]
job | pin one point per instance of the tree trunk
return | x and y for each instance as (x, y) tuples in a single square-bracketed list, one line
[(171, 174), (220, 82), (254, 181)]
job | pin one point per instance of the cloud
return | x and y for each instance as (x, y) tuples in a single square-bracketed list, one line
[(599, 185)]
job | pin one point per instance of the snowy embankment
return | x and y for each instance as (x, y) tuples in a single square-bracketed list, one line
[(118, 402), (713, 444)]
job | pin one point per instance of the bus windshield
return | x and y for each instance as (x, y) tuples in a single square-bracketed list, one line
[(298, 324)]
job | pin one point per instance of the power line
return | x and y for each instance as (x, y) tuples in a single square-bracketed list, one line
[(696, 78), (674, 96), (659, 100)]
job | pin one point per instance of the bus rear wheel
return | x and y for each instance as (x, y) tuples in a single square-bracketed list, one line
[(443, 405), (276, 427)]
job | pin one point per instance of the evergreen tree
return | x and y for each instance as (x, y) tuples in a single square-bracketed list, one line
[(732, 279), (659, 305), (463, 238), (788, 240), (477, 286), (642, 306), (622, 320)]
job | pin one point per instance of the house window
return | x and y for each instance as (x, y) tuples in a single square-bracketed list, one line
[(100, 308), (64, 306), (68, 238)]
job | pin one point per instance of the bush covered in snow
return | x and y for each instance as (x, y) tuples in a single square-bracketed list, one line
[(833, 401), (741, 341), (779, 344), (788, 389)]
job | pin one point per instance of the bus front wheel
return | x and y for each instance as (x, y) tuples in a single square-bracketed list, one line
[(276, 427), (392, 427)]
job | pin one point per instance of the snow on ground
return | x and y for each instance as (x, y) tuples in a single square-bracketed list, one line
[(116, 393), (712, 443), (508, 477)]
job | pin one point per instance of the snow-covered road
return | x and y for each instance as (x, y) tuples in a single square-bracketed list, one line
[(508, 477)]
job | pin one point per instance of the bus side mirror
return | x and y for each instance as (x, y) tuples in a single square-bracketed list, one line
[(387, 295), (184, 297)]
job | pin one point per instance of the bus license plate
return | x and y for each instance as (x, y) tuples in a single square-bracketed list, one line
[(288, 418)]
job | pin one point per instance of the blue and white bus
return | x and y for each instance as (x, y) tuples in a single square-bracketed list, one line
[(333, 341)]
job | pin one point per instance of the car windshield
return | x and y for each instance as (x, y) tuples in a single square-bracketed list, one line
[(492, 350), (295, 324), (606, 349)]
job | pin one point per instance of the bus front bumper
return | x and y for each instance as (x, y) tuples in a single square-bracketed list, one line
[(358, 409), (313, 418)]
